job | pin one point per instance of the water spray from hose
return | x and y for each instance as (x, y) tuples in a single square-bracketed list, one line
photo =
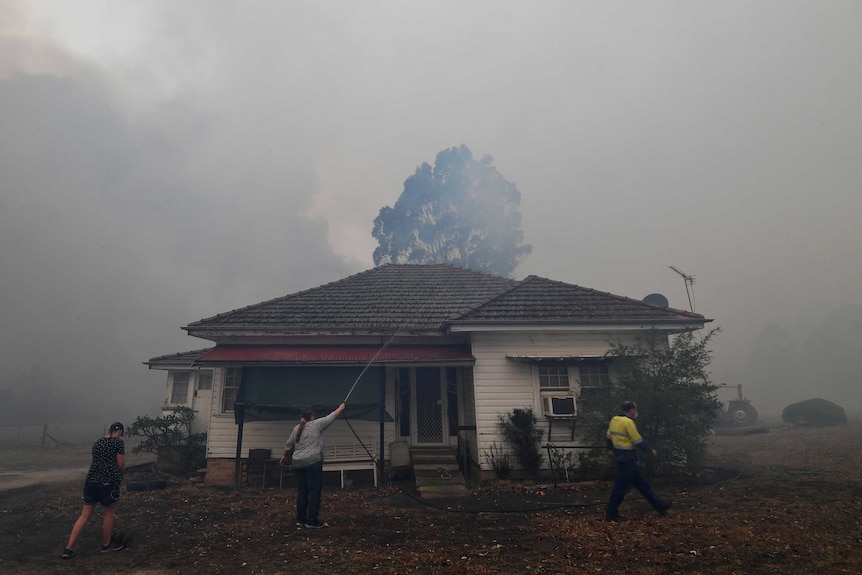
[(373, 359)]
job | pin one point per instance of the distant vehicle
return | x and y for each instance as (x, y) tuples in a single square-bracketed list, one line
[(739, 411)]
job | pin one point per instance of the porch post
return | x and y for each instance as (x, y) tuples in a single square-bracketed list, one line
[(382, 415), (238, 462)]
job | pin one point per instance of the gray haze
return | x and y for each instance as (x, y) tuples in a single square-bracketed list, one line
[(161, 162)]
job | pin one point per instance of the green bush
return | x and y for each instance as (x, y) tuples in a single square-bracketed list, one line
[(594, 465), (521, 432), (676, 401), (170, 437)]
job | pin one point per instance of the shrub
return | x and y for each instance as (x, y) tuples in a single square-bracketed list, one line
[(561, 462), (814, 412), (500, 462), (521, 432), (594, 465), (170, 437), (676, 400)]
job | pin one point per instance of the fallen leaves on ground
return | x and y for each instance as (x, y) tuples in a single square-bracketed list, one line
[(775, 503)]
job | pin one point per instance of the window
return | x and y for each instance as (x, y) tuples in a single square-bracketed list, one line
[(205, 380), (594, 374), (595, 381), (553, 378), (180, 387), (232, 376)]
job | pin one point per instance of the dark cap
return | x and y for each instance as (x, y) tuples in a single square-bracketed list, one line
[(628, 406), (117, 426)]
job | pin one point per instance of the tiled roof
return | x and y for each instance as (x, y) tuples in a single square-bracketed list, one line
[(182, 359), (537, 300), (396, 297), (386, 298)]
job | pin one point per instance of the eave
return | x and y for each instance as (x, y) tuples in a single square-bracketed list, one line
[(672, 326), (275, 355)]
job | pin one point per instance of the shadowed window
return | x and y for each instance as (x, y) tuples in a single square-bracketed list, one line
[(180, 387), (232, 376)]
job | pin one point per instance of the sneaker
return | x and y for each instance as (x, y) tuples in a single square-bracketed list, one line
[(662, 509), (67, 553), (113, 546), (615, 519), (315, 525), (300, 524)]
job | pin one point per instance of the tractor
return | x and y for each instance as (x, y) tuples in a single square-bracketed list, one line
[(739, 412)]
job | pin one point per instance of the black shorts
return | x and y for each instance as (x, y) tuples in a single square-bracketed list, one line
[(105, 493)]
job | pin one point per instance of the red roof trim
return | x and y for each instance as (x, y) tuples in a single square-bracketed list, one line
[(331, 354)]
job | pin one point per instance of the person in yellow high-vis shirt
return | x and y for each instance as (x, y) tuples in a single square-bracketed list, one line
[(622, 439)]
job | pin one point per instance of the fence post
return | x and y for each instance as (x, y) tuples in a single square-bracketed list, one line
[(44, 433)]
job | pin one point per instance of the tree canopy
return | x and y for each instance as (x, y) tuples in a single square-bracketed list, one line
[(671, 385), (462, 211)]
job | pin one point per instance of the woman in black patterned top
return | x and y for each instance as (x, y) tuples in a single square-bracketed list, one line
[(102, 486)]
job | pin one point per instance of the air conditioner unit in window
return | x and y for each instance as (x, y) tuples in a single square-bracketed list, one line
[(560, 406)]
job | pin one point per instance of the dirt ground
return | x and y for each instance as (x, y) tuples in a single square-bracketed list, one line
[(784, 502)]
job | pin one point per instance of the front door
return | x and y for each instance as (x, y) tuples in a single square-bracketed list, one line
[(203, 400), (430, 425)]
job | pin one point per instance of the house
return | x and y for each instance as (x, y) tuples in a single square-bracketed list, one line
[(187, 385), (429, 355)]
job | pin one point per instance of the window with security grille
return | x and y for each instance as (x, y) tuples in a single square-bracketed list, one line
[(554, 378), (180, 387), (429, 403), (232, 378)]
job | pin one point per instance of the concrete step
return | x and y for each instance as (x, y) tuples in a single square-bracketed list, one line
[(450, 465), (432, 473), (442, 491), (443, 457), (436, 473)]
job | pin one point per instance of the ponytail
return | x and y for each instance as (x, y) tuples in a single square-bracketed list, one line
[(307, 415)]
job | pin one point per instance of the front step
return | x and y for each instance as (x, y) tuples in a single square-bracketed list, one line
[(436, 473)]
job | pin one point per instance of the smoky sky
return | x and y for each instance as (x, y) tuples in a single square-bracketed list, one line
[(164, 162)]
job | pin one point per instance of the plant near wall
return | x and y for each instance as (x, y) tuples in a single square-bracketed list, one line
[(594, 464), (520, 430), (561, 462), (501, 462), (669, 382), (170, 437)]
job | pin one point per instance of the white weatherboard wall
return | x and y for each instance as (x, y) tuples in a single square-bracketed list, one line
[(221, 440), (199, 400), (502, 384)]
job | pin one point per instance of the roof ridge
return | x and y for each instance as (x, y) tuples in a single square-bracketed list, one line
[(428, 298), (443, 264), (488, 301)]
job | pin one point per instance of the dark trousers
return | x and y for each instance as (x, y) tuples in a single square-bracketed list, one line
[(628, 475), (309, 484)]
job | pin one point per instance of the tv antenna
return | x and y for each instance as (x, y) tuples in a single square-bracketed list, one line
[(689, 287)]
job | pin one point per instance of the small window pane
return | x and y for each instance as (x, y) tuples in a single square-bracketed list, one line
[(180, 387), (554, 378), (232, 377), (205, 380), (594, 375)]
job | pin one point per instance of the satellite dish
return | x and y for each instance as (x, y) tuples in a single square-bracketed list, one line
[(656, 299)]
